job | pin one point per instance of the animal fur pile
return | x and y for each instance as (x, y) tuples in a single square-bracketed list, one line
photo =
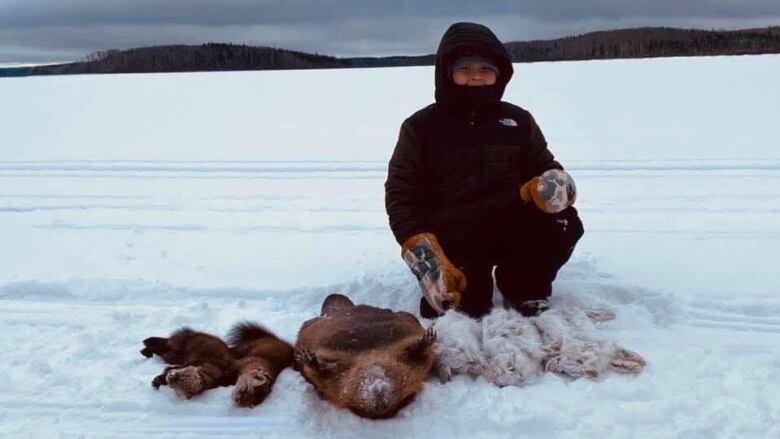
[(375, 361), (509, 349)]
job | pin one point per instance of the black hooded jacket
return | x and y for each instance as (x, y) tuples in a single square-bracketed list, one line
[(459, 161)]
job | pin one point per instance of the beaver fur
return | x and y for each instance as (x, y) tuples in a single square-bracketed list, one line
[(369, 360)]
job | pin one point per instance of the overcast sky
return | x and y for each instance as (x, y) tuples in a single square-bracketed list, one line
[(62, 30)]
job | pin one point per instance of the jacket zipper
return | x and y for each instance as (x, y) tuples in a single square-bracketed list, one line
[(472, 124)]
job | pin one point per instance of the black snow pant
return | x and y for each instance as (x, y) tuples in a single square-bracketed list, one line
[(526, 247)]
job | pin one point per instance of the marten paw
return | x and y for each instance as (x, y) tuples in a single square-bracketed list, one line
[(625, 361), (186, 382), (252, 388), (158, 381), (161, 380)]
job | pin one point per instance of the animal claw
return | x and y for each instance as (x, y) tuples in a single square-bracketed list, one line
[(309, 358), (600, 315), (305, 356), (429, 337), (425, 341), (158, 381), (161, 379)]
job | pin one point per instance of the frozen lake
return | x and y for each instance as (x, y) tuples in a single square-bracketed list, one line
[(131, 205)]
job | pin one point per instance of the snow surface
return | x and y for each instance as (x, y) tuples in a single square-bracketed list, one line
[(131, 205)]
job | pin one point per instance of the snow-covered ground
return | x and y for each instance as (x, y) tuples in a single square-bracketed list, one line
[(131, 205)]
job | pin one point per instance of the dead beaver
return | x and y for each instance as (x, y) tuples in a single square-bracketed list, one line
[(199, 361), (369, 360)]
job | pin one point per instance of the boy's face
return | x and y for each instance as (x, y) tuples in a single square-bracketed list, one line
[(474, 75)]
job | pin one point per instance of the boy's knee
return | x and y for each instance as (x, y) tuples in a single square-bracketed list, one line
[(551, 233), (570, 227)]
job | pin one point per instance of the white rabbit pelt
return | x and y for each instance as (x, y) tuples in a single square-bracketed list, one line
[(509, 349)]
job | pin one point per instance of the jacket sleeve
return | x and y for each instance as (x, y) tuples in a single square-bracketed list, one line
[(540, 158), (405, 186)]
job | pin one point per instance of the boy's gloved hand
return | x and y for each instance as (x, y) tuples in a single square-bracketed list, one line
[(440, 281), (551, 192)]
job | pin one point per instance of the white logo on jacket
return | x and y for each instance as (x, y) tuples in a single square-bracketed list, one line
[(508, 122)]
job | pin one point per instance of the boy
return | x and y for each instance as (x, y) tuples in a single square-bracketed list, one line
[(472, 187)]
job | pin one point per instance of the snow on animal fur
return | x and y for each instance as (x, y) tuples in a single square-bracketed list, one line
[(509, 349), (370, 360)]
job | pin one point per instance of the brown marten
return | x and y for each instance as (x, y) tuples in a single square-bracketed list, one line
[(197, 362), (369, 360), (253, 359), (260, 357)]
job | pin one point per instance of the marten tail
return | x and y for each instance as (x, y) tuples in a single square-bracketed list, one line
[(155, 345), (246, 332)]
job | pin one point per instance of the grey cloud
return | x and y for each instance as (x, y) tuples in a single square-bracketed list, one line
[(346, 27), (248, 12)]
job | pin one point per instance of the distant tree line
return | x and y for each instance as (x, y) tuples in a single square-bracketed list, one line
[(625, 43), (648, 43), (181, 58)]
